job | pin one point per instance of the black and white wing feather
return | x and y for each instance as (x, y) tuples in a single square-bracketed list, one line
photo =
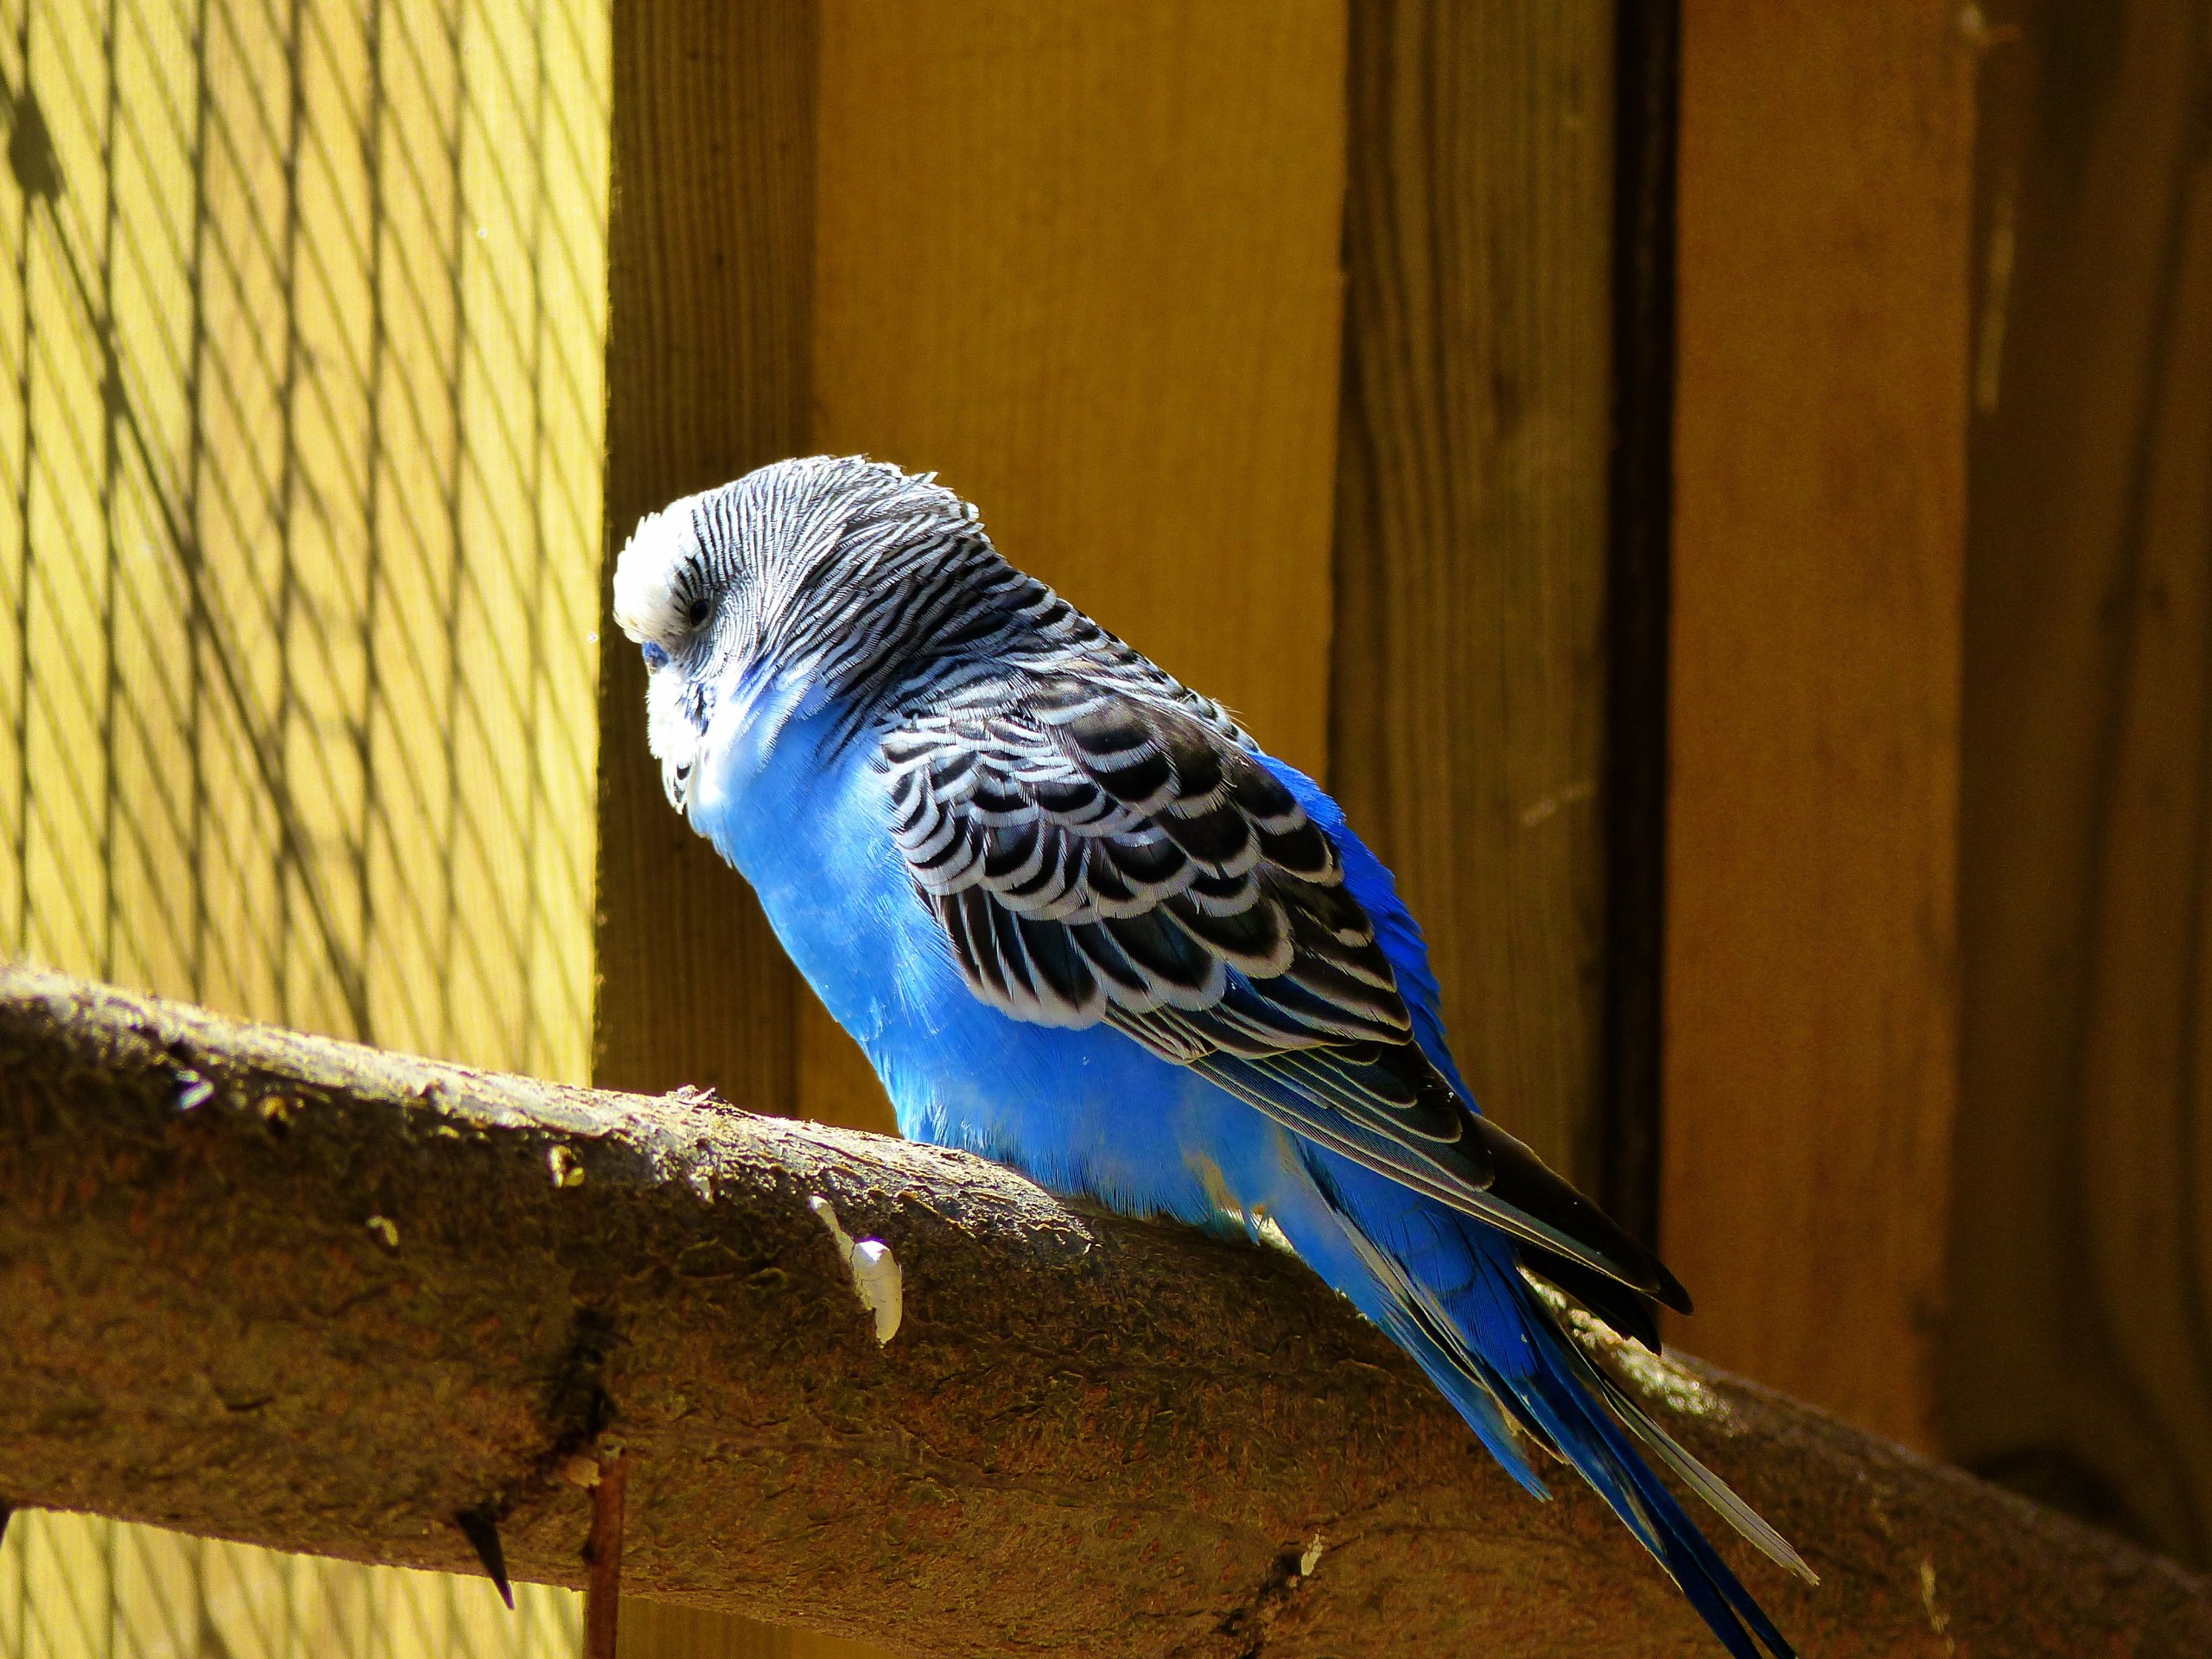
[(1095, 853)]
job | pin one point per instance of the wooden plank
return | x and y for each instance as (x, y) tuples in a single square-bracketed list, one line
[(70, 577), (1826, 168), (710, 261), (2146, 1096), (710, 257), (1082, 261), (2073, 1369), (238, 367), (326, 216), (18, 210), (1471, 509), (497, 647), (151, 851), (567, 258), (426, 963)]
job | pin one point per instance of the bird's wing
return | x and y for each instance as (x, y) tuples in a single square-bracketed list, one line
[(1094, 855)]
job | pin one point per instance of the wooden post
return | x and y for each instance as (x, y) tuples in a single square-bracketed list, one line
[(2076, 1370), (1082, 260), (710, 268), (1826, 174), (1471, 503)]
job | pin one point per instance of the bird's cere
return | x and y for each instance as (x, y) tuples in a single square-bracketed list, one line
[(877, 1276)]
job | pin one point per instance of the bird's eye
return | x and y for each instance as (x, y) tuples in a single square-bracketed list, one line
[(695, 612), (656, 658)]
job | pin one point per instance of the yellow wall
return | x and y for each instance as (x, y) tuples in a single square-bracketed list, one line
[(297, 590)]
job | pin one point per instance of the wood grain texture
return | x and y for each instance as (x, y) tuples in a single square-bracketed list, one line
[(710, 257), (1825, 170), (1471, 510), (2076, 1365), (302, 439), (669, 1629), (710, 264), (1090, 1435), (1082, 261)]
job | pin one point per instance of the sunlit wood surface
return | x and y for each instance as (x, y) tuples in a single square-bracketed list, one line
[(300, 314), (1810, 974), (1466, 731)]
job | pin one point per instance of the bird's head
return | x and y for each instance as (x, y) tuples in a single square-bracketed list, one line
[(835, 574)]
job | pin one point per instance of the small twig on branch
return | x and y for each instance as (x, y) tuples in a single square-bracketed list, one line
[(603, 1556), (265, 1286)]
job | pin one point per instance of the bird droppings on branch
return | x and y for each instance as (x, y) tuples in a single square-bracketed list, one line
[(1104, 1437), (877, 1276), (580, 1471)]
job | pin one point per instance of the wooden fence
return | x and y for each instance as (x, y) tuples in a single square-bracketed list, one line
[(1722, 490), (302, 311)]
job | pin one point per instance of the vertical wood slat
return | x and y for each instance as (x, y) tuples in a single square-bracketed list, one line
[(1082, 261), (409, 465), (1470, 504), (2077, 1367), (1825, 158), (568, 259), (151, 849), (245, 87), (2146, 1096), (18, 210), (710, 256), (69, 567), (324, 520)]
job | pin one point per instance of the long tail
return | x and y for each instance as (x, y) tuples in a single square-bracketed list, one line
[(1452, 1294)]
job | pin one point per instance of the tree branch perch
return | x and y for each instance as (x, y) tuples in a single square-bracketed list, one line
[(272, 1287)]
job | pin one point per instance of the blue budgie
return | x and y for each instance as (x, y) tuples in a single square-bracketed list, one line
[(1082, 924)]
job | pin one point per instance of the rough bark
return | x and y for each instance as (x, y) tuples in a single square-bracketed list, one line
[(272, 1287)]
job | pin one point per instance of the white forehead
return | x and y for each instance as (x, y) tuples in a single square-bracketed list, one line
[(645, 603)]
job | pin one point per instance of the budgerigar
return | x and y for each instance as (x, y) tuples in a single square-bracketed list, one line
[(1082, 924)]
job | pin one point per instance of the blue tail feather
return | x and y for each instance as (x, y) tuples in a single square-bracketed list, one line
[(1452, 1293)]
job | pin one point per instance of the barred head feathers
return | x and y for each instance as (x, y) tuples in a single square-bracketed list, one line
[(871, 584), (829, 568)]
